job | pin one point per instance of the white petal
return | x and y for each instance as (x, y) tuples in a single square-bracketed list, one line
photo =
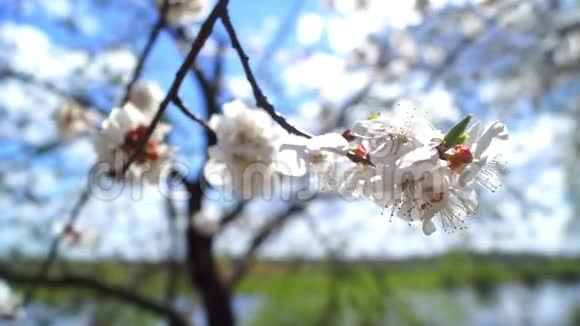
[(330, 142), (290, 162), (422, 156), (233, 108), (496, 131), (369, 128)]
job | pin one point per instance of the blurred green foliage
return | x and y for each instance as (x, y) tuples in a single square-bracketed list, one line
[(326, 293)]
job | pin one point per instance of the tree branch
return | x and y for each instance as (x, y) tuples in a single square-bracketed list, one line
[(77, 281), (261, 100), (155, 31), (212, 138), (233, 215), (204, 33), (203, 267), (53, 250), (48, 86)]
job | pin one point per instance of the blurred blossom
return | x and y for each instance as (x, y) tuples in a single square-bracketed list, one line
[(118, 138), (74, 120), (181, 12), (111, 65), (568, 50), (367, 54), (404, 44), (433, 55), (244, 160), (74, 235), (471, 25), (522, 17), (146, 96), (397, 68)]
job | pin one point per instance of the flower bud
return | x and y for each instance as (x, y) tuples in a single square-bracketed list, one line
[(456, 135)]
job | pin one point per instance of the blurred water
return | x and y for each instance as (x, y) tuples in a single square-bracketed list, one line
[(546, 303)]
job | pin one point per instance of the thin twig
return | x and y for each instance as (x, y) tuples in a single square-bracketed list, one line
[(204, 33), (261, 100), (82, 101), (212, 138), (53, 251), (155, 31), (209, 88)]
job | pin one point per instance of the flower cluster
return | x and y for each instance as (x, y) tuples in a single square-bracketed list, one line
[(419, 172), (122, 131), (397, 160)]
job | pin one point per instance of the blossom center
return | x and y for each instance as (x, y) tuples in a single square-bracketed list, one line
[(459, 157), (132, 139)]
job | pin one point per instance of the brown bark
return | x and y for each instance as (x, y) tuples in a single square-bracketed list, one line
[(203, 270)]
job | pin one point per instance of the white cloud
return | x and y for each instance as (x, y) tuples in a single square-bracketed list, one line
[(309, 28)]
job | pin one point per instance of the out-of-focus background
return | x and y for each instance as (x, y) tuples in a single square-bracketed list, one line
[(323, 64)]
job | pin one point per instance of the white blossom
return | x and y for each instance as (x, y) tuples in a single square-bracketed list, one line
[(389, 136), (430, 183), (419, 177), (118, 138), (181, 12), (244, 160), (386, 138)]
